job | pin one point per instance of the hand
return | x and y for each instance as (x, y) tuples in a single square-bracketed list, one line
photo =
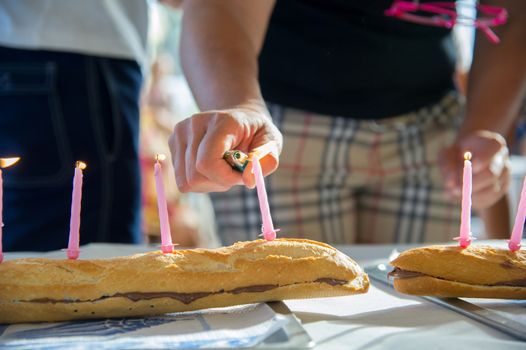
[(490, 163), (199, 142)]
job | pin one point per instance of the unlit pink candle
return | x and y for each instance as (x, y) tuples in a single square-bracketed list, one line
[(73, 250), (268, 227), (465, 217), (4, 163), (166, 235), (516, 235)]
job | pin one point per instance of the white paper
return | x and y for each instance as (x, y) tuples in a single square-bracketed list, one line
[(374, 300)]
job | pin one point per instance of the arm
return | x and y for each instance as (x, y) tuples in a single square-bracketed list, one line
[(221, 41), (497, 85), (497, 80)]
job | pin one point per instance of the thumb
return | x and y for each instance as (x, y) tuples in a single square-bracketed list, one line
[(268, 159)]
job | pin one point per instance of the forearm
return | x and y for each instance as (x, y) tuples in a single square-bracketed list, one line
[(220, 44), (497, 82)]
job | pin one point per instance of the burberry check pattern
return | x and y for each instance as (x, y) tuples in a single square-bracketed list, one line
[(345, 180)]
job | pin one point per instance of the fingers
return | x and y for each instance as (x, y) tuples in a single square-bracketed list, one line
[(177, 144), (267, 148), (199, 143), (269, 164), (491, 167), (484, 145), (197, 179), (184, 144), (209, 158), (489, 176), (486, 196)]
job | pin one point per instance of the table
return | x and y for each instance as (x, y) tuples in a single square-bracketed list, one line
[(384, 319), (380, 319)]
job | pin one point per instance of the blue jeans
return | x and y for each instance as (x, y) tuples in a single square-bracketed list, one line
[(56, 108)]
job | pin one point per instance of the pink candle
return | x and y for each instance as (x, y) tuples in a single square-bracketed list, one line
[(73, 251), (166, 236), (465, 218), (4, 163), (268, 227), (516, 235)]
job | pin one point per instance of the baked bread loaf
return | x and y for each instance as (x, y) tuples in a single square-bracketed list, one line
[(34, 290), (450, 271)]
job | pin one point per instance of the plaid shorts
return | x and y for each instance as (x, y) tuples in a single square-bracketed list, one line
[(343, 180)]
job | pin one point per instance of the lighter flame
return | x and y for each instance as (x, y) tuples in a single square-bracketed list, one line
[(81, 165), (7, 162), (467, 156), (159, 157)]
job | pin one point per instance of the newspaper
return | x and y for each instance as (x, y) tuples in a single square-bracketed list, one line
[(233, 327)]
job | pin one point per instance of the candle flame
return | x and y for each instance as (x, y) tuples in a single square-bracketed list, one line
[(467, 156), (7, 162), (159, 157), (81, 165)]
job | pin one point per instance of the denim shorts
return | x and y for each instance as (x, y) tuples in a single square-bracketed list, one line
[(57, 108)]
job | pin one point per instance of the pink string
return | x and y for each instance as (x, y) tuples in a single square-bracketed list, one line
[(447, 16)]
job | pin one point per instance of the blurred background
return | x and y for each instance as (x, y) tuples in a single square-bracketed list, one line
[(167, 99)]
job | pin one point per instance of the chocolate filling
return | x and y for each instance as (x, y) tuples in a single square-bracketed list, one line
[(507, 265), (514, 283), (331, 281), (254, 289), (399, 273), (187, 298)]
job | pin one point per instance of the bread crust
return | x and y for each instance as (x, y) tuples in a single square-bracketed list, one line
[(476, 265), (450, 271), (34, 290)]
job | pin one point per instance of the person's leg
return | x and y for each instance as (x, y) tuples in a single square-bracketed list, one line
[(496, 219), (404, 199), (58, 108), (308, 194), (114, 89)]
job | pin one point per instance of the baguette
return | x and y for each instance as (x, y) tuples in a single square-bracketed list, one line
[(450, 271), (37, 290)]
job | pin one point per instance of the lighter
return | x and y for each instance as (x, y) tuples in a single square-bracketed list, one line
[(237, 159)]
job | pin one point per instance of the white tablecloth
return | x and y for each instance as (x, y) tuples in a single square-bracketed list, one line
[(380, 319)]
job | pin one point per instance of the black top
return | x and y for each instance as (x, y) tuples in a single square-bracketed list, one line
[(346, 58)]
